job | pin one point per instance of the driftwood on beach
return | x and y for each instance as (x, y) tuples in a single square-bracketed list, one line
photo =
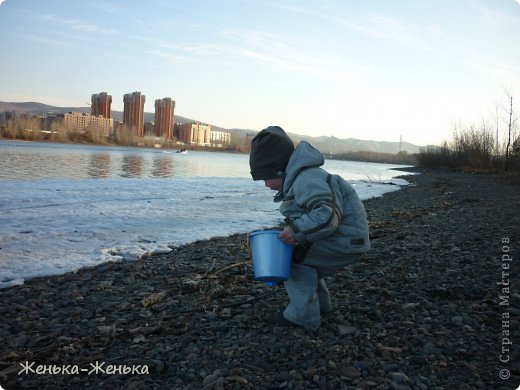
[(426, 308)]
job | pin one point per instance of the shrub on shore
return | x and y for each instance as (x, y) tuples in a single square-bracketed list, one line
[(470, 150), (402, 158), (477, 147)]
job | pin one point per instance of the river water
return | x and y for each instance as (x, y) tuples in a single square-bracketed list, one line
[(64, 207)]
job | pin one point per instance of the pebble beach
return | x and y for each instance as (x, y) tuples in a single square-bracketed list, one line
[(435, 304)]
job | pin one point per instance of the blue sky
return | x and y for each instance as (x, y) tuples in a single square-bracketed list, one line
[(375, 69)]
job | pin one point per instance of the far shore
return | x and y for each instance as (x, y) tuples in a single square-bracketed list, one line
[(381, 158), (177, 147)]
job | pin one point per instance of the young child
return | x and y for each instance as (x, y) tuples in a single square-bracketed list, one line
[(326, 221)]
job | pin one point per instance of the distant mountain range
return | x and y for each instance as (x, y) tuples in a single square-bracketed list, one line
[(323, 143)]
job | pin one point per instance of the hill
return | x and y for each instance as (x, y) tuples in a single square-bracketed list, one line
[(324, 143), (335, 145), (34, 108)]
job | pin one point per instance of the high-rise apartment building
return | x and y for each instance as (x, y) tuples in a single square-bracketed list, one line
[(101, 105), (164, 109), (133, 115)]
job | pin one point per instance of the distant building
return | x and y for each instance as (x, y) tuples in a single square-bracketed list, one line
[(220, 138), (6, 116), (133, 115), (194, 133), (149, 129), (164, 109), (101, 103), (48, 119), (78, 122)]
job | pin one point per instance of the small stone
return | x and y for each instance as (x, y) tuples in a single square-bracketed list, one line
[(282, 376), (309, 373), (390, 367), (105, 284), (225, 313), (361, 366), (156, 365), (418, 359), (390, 349), (211, 378), (345, 330), (398, 377), (457, 320), (211, 316), (387, 355), (351, 372), (368, 384), (219, 384), (138, 339), (135, 385), (238, 379)]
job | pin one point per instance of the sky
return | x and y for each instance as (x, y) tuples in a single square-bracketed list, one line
[(377, 70)]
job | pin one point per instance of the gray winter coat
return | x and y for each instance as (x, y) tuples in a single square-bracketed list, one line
[(324, 209)]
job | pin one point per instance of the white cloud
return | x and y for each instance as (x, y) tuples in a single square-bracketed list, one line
[(496, 16), (106, 7), (76, 24), (169, 56), (49, 41), (283, 54), (1, 1)]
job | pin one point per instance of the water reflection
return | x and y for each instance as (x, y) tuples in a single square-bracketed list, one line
[(32, 160), (17, 165), (100, 165), (35, 160), (162, 167), (132, 166)]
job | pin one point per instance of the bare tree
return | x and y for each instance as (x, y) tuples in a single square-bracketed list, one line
[(509, 128), (511, 136), (124, 135)]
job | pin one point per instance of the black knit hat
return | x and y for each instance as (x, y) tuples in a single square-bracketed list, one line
[(270, 152)]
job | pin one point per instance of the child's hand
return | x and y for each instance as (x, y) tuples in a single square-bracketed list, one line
[(287, 236)]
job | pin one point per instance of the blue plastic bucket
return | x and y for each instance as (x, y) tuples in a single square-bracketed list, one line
[(271, 256)]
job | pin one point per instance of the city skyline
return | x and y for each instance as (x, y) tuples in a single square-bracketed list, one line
[(366, 70), (133, 114)]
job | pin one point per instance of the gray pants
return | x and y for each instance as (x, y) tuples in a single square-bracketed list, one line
[(307, 291)]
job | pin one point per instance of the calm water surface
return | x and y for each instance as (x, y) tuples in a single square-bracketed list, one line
[(34, 160), (22, 160)]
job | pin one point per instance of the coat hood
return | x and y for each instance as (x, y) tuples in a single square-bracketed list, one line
[(304, 156)]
